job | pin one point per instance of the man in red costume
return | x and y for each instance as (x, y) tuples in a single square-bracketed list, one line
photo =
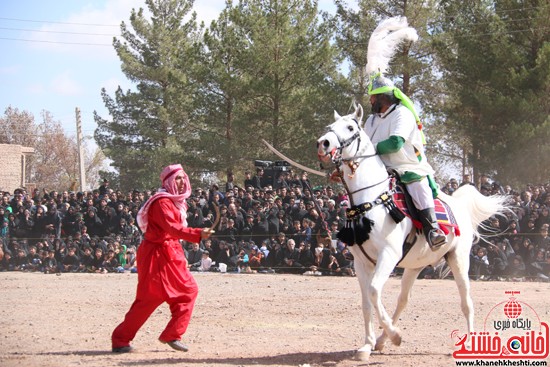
[(162, 268)]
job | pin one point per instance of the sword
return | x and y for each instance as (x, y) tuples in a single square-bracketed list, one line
[(295, 164)]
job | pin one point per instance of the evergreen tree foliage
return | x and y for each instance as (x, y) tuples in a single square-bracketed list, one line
[(495, 66), (150, 125)]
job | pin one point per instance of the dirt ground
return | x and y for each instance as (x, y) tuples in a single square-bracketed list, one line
[(239, 320)]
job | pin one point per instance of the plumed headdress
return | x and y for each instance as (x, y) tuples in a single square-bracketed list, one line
[(383, 43)]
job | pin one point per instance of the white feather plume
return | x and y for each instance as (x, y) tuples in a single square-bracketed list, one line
[(383, 43)]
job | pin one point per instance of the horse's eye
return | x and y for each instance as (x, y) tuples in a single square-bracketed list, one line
[(350, 128)]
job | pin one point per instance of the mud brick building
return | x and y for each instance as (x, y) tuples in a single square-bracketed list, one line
[(13, 166)]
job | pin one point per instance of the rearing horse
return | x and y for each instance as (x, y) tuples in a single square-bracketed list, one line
[(366, 179)]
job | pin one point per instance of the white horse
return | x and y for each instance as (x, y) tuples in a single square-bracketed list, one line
[(381, 252)]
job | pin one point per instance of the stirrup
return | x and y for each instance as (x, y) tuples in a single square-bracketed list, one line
[(436, 239)]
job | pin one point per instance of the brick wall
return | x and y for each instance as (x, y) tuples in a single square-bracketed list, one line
[(11, 166)]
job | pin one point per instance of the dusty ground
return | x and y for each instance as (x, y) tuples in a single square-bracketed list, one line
[(239, 320)]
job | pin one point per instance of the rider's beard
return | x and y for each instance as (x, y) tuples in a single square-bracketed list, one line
[(376, 107)]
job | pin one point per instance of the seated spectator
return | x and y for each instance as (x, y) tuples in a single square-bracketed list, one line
[(21, 262), (97, 263), (194, 257), (538, 268), (255, 258), (498, 261), (240, 261), (206, 261), (71, 262), (307, 257), (34, 260), (479, 265), (50, 263), (7, 262), (110, 263), (516, 269), (291, 259), (86, 261)]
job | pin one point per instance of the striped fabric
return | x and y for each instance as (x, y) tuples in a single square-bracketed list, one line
[(445, 216)]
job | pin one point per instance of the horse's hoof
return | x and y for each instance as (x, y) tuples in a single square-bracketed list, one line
[(363, 354), (380, 343), (396, 338)]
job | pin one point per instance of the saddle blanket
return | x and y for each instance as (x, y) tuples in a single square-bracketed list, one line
[(445, 217)]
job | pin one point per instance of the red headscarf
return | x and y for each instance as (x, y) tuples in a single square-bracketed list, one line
[(168, 190)]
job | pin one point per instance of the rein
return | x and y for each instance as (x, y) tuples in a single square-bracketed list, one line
[(356, 211)]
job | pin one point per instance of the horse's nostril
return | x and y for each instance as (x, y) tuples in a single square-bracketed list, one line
[(326, 144)]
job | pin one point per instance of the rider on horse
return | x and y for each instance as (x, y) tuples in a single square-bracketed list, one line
[(395, 130)]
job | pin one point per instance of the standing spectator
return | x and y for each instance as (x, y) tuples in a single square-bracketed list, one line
[(94, 226), (104, 188), (52, 222), (230, 183), (69, 223), (257, 180)]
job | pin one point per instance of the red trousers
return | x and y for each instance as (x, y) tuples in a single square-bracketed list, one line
[(180, 307)]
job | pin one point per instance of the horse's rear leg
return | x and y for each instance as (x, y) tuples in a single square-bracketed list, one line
[(407, 281), (459, 264)]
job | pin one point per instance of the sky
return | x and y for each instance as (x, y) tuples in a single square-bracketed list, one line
[(58, 55)]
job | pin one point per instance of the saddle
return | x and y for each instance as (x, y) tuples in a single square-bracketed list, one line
[(404, 202)]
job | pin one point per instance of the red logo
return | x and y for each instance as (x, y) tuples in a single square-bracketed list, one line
[(512, 330)]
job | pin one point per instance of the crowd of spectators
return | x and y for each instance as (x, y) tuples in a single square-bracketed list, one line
[(516, 245), (264, 225)]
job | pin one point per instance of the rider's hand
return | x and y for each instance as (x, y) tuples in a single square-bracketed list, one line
[(335, 177)]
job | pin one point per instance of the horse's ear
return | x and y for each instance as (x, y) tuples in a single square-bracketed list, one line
[(358, 112), (336, 115)]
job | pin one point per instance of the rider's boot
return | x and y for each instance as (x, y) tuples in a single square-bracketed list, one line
[(435, 236)]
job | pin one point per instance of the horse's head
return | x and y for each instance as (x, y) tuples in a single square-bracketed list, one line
[(342, 138)]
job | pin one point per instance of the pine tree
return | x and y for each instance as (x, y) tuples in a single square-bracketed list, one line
[(495, 60), (150, 125)]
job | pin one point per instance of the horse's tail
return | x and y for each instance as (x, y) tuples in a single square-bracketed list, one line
[(479, 206)]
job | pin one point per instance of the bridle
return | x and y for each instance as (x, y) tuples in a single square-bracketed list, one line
[(337, 160), (336, 154)]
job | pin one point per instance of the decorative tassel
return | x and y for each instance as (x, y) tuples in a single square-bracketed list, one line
[(346, 234), (396, 213), (363, 227)]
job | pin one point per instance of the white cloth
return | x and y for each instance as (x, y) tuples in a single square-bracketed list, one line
[(399, 121), (421, 194)]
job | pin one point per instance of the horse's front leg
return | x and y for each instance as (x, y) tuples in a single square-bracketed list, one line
[(383, 269), (407, 281), (364, 276)]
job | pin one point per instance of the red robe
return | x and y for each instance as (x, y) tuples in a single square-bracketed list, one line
[(162, 275)]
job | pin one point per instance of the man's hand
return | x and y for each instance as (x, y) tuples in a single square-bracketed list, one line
[(206, 233)]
